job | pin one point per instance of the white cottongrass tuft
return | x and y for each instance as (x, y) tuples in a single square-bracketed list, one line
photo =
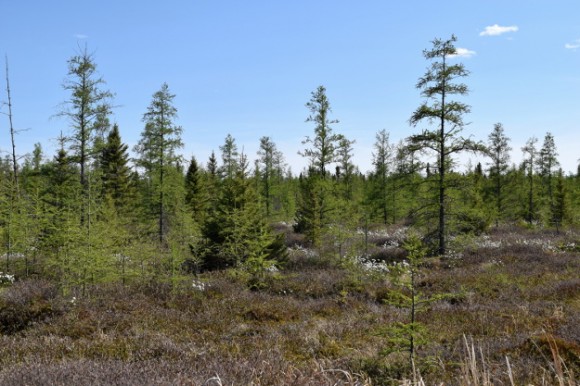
[(6, 278), (199, 285)]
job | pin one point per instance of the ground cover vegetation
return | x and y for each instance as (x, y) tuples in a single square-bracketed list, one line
[(162, 270)]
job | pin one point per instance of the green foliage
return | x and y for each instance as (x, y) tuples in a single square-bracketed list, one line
[(498, 150), (313, 207), (382, 190), (325, 141), (87, 109), (437, 86), (236, 229), (270, 168), (116, 174), (194, 190), (409, 335), (157, 149)]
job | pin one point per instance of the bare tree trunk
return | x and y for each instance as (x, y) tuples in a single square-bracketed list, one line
[(442, 160), (14, 160)]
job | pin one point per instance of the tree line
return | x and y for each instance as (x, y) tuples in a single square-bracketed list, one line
[(90, 213)]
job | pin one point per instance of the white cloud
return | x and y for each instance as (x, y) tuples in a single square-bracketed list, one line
[(496, 30), (462, 53), (81, 36), (574, 45)]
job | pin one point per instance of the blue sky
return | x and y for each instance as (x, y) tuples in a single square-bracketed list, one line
[(248, 67)]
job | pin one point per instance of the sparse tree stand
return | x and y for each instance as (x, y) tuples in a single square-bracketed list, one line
[(436, 86), (157, 148)]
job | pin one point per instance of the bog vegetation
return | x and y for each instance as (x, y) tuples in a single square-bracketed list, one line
[(234, 270)]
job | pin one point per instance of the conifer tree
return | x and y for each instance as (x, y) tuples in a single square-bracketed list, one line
[(194, 192), (559, 209), (498, 150), (382, 159), (529, 164), (116, 174), (158, 147), (86, 108), (212, 166), (237, 225), (314, 201), (230, 158), (311, 212), (547, 165), (345, 169), (437, 86), (272, 164), (325, 141)]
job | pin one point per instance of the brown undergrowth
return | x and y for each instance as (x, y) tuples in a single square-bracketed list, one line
[(513, 319)]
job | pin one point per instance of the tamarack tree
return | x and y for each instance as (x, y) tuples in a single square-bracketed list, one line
[(86, 108), (157, 147), (437, 86)]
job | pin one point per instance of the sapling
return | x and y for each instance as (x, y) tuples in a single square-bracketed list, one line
[(407, 336)]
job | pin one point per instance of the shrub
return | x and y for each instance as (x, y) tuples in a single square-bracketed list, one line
[(24, 303)]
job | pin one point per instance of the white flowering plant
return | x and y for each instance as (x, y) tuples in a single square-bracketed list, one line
[(6, 278)]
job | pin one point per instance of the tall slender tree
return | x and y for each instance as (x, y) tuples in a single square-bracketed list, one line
[(547, 165), (272, 166), (498, 150), (87, 105), (437, 86), (345, 168), (158, 147), (230, 158), (529, 164), (12, 131), (325, 141), (382, 160)]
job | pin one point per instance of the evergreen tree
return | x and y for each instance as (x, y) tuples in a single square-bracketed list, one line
[(270, 174), (312, 210), (86, 108), (212, 166), (157, 148), (529, 164), (437, 85), (345, 169), (547, 165), (382, 160), (230, 158), (498, 150), (233, 231), (116, 176), (194, 192), (325, 141), (559, 209), (314, 201)]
